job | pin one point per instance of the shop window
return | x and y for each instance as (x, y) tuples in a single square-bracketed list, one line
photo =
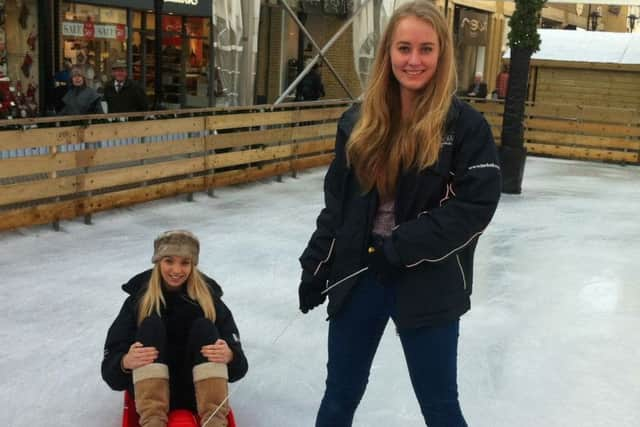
[(18, 58), (198, 62), (290, 50), (471, 39), (142, 52), (93, 36), (173, 62)]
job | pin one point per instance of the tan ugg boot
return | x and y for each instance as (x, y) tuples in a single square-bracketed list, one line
[(151, 388), (211, 384)]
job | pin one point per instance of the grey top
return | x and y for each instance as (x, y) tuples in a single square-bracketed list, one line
[(385, 218)]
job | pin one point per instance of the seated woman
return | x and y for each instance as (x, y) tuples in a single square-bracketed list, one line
[(174, 343)]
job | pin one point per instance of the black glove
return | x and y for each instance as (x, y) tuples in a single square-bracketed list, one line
[(381, 258), (310, 292)]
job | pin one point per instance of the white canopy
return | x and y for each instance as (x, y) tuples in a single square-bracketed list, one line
[(236, 57), (588, 46), (599, 2)]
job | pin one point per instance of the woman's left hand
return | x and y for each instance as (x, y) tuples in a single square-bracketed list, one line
[(218, 352)]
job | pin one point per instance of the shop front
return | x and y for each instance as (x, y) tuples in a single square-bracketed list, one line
[(19, 57), (95, 33), (471, 37)]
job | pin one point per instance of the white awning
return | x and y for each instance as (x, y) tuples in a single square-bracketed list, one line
[(598, 2), (587, 46), (235, 56)]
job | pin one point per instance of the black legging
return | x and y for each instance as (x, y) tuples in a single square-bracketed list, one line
[(152, 333)]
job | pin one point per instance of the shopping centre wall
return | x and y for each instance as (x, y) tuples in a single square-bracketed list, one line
[(270, 69)]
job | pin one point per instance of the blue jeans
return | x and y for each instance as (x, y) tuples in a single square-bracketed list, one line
[(354, 335)]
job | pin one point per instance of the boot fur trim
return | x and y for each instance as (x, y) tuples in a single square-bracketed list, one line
[(152, 370), (210, 370)]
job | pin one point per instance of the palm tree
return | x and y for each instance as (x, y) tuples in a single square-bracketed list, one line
[(524, 40)]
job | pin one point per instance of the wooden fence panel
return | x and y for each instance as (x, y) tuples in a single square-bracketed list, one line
[(576, 132), (62, 172), (68, 171)]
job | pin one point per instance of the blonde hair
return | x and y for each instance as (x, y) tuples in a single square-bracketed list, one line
[(152, 301), (383, 143)]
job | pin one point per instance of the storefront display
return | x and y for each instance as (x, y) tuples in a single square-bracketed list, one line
[(93, 37), (185, 58), (18, 58), (95, 33)]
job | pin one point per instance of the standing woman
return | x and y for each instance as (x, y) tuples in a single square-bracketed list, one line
[(80, 98), (175, 343), (414, 183)]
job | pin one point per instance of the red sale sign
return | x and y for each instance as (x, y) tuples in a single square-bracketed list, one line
[(89, 30), (121, 32)]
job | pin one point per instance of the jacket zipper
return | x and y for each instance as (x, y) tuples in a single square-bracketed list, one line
[(464, 280), (333, 241)]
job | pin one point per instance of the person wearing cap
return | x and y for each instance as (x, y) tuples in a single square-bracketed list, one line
[(174, 344), (122, 94), (80, 99)]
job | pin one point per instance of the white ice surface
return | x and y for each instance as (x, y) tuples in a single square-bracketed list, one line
[(552, 338)]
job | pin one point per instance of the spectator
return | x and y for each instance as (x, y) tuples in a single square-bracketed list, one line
[(122, 94), (312, 88), (478, 88), (502, 82), (80, 99)]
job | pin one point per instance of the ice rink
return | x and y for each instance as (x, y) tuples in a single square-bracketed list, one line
[(552, 338)]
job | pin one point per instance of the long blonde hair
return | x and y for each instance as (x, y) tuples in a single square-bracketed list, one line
[(152, 301), (382, 144)]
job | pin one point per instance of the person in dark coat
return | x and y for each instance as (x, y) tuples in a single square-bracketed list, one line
[(124, 95), (312, 88), (174, 344), (80, 99), (414, 183), (478, 88)]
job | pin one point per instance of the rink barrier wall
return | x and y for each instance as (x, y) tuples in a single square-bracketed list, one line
[(574, 131), (53, 170)]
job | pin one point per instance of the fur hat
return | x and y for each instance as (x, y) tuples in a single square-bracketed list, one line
[(78, 70), (177, 243)]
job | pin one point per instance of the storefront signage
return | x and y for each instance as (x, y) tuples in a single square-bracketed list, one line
[(178, 7), (133, 4), (188, 7), (89, 30), (473, 28)]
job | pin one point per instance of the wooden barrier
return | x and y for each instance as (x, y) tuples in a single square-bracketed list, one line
[(574, 132), (65, 169)]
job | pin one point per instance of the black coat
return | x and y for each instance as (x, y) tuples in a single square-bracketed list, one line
[(130, 98), (81, 100), (312, 88), (440, 212), (181, 313)]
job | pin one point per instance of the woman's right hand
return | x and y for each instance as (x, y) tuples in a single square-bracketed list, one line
[(139, 356)]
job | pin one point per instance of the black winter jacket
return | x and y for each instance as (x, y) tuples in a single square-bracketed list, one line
[(129, 99), (440, 212), (181, 313)]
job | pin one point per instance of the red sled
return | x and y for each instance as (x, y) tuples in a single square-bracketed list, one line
[(177, 417)]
